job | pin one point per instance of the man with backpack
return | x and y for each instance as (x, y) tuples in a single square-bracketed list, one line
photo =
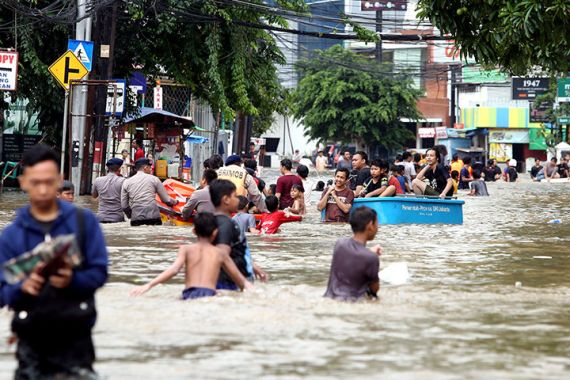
[(54, 306)]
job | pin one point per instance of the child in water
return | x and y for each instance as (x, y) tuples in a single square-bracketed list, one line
[(298, 196), (455, 178), (67, 191), (271, 221), (272, 189), (202, 261)]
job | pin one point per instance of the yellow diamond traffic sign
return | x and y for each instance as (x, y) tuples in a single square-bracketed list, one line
[(67, 68)]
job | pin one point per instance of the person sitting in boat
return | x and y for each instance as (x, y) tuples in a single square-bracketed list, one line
[(440, 183), (378, 184), (478, 186), (354, 268), (400, 174), (245, 184), (271, 221), (203, 262), (360, 172), (200, 200), (337, 200), (394, 180), (138, 195)]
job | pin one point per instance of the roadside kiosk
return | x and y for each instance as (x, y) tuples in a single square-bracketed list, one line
[(163, 134)]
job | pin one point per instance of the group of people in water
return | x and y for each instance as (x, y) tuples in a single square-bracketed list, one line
[(231, 203), (552, 169)]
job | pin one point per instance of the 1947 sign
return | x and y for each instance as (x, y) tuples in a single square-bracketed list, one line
[(529, 88)]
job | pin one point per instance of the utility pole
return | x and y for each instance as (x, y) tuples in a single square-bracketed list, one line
[(379, 33), (453, 95), (105, 26), (79, 101)]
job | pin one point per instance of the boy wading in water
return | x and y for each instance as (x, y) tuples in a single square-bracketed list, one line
[(203, 262), (354, 268)]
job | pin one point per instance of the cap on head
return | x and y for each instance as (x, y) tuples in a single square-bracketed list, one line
[(114, 162), (142, 162), (233, 159)]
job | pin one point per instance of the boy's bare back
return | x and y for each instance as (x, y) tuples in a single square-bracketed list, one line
[(203, 263)]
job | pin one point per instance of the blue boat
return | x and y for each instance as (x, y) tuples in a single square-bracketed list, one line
[(414, 210)]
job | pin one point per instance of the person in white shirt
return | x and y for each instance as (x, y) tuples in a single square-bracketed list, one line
[(321, 162)]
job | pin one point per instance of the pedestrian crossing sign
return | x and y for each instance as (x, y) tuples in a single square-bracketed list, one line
[(83, 50)]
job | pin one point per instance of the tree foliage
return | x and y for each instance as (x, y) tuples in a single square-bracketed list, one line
[(343, 97), (553, 135), (198, 44), (518, 35)]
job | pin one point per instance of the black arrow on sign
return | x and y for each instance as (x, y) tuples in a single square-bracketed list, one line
[(68, 70), (5, 69)]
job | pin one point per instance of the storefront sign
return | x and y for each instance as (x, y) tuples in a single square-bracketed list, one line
[(538, 112), (529, 88), (563, 90), (475, 74), (13, 146), (115, 104), (500, 152), (426, 133), (157, 98), (8, 70), (441, 132), (509, 136)]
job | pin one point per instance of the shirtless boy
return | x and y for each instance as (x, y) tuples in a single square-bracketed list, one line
[(203, 262)]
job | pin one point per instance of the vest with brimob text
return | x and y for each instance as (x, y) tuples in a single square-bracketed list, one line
[(236, 175)]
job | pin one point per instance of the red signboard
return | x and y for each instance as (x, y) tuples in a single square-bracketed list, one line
[(383, 5)]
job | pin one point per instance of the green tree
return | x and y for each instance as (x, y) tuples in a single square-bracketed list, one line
[(198, 44), (344, 97), (553, 134), (517, 35)]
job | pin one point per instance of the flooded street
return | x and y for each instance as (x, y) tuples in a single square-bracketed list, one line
[(460, 316)]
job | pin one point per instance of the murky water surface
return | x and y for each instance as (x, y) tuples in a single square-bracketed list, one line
[(459, 317)]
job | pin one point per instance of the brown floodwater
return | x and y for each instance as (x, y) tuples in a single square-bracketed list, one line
[(459, 316)]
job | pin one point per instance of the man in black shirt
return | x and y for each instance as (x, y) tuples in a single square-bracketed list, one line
[(360, 172), (229, 239), (563, 168), (537, 168), (440, 183)]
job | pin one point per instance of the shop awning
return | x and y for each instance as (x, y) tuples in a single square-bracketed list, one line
[(156, 116)]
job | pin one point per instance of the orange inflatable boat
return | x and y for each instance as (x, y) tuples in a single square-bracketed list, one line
[(181, 191)]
